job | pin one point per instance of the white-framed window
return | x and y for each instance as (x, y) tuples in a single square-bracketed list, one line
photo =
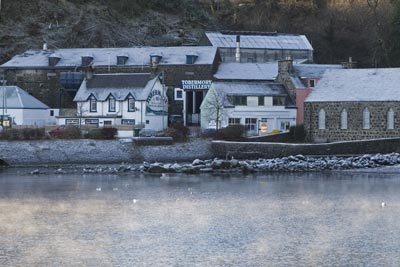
[(178, 94), (312, 83), (366, 119), (343, 119), (131, 104), (233, 121), (390, 119), (321, 119), (111, 104), (93, 104)]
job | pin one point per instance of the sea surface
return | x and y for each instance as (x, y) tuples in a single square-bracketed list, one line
[(312, 219)]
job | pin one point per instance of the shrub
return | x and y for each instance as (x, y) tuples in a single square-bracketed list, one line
[(23, 134), (101, 133), (178, 132), (72, 133), (231, 133)]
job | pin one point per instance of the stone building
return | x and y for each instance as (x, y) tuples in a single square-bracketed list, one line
[(240, 46), (300, 79), (354, 104), (54, 76)]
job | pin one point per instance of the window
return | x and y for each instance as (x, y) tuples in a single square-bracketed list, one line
[(111, 104), (93, 104), (261, 100), (238, 100), (251, 126), (366, 119), (285, 126), (233, 121), (321, 119), (390, 119), (178, 94), (343, 120), (131, 104), (278, 100), (127, 122), (51, 113), (312, 83)]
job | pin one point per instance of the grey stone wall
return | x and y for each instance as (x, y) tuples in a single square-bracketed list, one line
[(378, 120), (239, 150)]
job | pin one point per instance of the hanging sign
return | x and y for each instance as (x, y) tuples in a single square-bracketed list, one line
[(157, 103)]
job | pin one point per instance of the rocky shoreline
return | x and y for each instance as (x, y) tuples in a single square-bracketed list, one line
[(298, 163)]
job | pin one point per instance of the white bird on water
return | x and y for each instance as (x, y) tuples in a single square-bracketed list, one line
[(134, 200), (98, 189), (383, 204)]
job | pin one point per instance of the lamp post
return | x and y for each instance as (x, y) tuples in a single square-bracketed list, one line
[(4, 100)]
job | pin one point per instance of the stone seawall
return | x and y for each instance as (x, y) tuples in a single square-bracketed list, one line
[(254, 150), (52, 152)]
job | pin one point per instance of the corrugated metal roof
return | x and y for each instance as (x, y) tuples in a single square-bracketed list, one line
[(16, 98), (357, 85), (271, 41), (247, 71), (119, 85), (137, 56)]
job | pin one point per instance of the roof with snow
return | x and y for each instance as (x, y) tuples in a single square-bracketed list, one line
[(251, 89), (16, 98), (355, 85), (136, 56), (274, 41), (313, 70), (247, 71), (119, 85)]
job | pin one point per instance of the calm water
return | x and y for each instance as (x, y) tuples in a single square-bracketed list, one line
[(263, 220)]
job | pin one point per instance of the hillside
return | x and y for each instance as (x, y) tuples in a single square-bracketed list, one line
[(367, 30)]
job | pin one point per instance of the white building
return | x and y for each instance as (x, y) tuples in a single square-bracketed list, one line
[(121, 99), (20, 108), (261, 106)]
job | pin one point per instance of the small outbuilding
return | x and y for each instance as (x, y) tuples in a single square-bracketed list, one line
[(17, 107)]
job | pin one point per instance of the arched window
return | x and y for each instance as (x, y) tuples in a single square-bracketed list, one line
[(390, 119), (111, 103), (321, 119), (343, 119), (366, 119)]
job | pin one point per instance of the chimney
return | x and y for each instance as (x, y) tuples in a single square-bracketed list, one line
[(155, 60), (44, 46), (349, 64), (237, 48), (285, 66)]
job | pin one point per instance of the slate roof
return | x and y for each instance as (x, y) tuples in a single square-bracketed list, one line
[(137, 56), (120, 85), (313, 70), (247, 71), (16, 98), (274, 41), (357, 85), (251, 89)]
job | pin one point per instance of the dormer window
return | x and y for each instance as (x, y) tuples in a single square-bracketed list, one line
[(155, 60), (93, 104), (121, 60), (191, 59), (111, 104), (86, 61), (131, 104), (312, 83)]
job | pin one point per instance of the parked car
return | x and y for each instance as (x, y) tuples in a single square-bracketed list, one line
[(57, 132), (147, 132)]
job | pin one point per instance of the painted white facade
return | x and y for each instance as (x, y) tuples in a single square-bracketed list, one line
[(96, 107), (259, 119)]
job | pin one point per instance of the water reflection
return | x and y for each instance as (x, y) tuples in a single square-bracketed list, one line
[(333, 219)]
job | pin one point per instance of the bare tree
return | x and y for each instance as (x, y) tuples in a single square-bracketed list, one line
[(80, 112), (214, 107)]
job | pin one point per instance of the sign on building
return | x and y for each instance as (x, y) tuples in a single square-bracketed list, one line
[(196, 84)]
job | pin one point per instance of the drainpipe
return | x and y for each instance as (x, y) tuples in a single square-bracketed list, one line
[(237, 48)]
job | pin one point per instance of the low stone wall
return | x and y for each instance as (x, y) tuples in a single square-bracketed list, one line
[(53, 152), (253, 150)]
